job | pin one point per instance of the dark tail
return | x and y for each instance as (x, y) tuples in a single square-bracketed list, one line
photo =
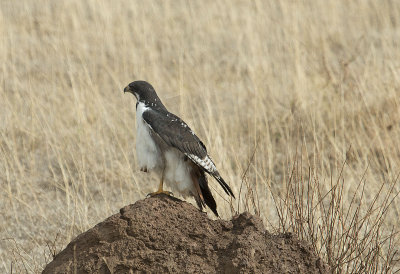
[(224, 185), (205, 191)]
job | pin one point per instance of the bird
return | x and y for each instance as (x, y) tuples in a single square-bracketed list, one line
[(167, 146)]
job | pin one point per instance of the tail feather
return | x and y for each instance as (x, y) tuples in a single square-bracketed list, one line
[(224, 185), (205, 191), (204, 196)]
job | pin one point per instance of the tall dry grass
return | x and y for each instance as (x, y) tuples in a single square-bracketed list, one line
[(297, 102)]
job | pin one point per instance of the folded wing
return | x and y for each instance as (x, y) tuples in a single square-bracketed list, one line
[(176, 133)]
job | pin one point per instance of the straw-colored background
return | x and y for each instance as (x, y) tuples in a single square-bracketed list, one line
[(316, 80)]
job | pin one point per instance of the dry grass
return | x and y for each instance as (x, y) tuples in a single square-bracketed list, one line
[(298, 102)]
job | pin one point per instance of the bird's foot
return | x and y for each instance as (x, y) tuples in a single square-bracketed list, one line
[(144, 169), (152, 194)]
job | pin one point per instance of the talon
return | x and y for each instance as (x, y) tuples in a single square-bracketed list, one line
[(160, 188)]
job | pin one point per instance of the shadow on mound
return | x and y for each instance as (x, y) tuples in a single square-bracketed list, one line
[(164, 234)]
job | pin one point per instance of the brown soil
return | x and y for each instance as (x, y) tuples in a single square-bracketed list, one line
[(163, 235)]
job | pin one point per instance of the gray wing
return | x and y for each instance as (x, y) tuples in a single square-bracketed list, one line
[(176, 133)]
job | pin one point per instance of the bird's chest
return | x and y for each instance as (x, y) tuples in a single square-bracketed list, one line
[(147, 152)]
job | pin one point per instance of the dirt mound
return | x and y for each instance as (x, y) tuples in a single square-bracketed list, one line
[(164, 234)]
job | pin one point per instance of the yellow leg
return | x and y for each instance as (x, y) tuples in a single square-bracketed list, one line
[(160, 188)]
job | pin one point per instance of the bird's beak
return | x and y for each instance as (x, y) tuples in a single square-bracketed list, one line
[(126, 89)]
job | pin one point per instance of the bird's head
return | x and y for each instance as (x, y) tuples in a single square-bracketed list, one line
[(145, 93), (142, 90)]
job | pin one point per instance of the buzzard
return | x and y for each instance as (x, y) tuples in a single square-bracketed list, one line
[(166, 145)]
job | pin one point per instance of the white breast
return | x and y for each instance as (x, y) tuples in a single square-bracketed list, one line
[(147, 152), (177, 173)]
